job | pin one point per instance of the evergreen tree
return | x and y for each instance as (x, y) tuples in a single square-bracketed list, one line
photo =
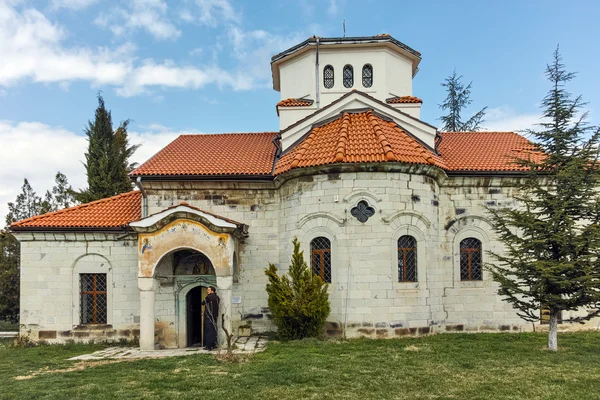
[(107, 158), (62, 193), (458, 98), (27, 204), (9, 277), (299, 303), (552, 241)]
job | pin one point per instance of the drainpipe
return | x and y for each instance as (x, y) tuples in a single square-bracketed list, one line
[(318, 95), (138, 182)]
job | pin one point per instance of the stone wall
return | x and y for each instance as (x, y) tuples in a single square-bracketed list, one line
[(50, 268)]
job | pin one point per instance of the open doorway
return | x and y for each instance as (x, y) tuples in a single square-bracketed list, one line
[(195, 319)]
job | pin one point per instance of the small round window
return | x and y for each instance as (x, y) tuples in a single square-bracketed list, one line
[(367, 75)]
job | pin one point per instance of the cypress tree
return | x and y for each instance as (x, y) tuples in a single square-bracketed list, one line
[(457, 99), (299, 303), (552, 240), (107, 157)]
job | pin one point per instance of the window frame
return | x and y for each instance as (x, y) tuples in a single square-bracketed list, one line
[(92, 263), (95, 293), (363, 75), (469, 251), (405, 267), (325, 79), (348, 67), (322, 259)]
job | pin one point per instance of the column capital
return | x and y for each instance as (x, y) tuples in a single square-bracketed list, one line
[(146, 284)]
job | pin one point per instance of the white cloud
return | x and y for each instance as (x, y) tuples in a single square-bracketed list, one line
[(254, 49), (37, 151), (34, 48), (505, 119), (72, 4), (31, 48), (333, 7), (214, 12), (148, 15)]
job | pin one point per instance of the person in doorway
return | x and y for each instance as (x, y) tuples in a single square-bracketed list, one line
[(211, 314)]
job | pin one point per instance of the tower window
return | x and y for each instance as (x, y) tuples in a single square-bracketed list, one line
[(367, 75), (328, 76), (348, 76)]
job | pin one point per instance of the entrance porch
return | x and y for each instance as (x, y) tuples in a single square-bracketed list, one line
[(182, 251)]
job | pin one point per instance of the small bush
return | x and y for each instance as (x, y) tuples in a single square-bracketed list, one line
[(299, 303)]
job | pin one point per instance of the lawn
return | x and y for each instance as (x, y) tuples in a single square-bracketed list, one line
[(450, 366)]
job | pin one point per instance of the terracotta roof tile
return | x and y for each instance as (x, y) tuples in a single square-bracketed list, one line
[(295, 103), (112, 212), (217, 154), (356, 138), (484, 151), (403, 100)]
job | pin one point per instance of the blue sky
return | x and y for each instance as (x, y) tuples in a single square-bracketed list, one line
[(203, 65)]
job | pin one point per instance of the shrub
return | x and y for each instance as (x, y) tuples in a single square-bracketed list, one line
[(299, 303)]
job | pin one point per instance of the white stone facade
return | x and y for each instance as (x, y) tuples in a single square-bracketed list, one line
[(366, 297)]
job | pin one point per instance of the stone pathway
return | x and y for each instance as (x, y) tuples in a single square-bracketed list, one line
[(245, 345)]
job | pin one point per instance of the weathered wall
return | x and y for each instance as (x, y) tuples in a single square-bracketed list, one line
[(366, 297), (50, 266)]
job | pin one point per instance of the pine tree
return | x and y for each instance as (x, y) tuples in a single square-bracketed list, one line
[(107, 157), (299, 303), (27, 204), (458, 98), (552, 241), (62, 193)]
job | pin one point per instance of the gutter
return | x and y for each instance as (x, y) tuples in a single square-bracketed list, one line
[(138, 183)]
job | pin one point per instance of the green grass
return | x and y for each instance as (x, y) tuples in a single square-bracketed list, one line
[(457, 366)]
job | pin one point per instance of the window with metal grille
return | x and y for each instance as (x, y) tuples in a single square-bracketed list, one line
[(348, 76), (470, 260), (407, 259), (320, 258), (328, 76), (367, 75), (93, 306)]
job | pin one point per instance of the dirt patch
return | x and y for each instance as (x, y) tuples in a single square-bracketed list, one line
[(80, 366)]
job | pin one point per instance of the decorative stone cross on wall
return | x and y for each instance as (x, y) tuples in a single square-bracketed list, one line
[(362, 211)]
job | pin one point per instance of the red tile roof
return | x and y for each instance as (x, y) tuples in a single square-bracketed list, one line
[(295, 103), (357, 138), (484, 151), (217, 154), (403, 100), (112, 212)]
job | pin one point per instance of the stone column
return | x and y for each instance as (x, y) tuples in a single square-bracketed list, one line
[(146, 286), (224, 284)]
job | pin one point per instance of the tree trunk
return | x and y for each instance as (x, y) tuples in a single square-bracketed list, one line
[(553, 330)]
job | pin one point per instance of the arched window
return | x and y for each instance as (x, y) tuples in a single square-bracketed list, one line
[(367, 75), (348, 76), (320, 258), (328, 76), (407, 259), (470, 260)]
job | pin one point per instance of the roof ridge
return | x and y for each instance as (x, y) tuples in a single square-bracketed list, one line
[(225, 133), (383, 141), (340, 152), (302, 149), (427, 155), (73, 208)]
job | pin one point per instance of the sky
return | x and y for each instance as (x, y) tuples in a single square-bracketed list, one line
[(203, 66)]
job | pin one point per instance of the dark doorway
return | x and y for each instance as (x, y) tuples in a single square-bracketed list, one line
[(194, 316)]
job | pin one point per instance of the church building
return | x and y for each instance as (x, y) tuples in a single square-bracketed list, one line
[(389, 211)]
